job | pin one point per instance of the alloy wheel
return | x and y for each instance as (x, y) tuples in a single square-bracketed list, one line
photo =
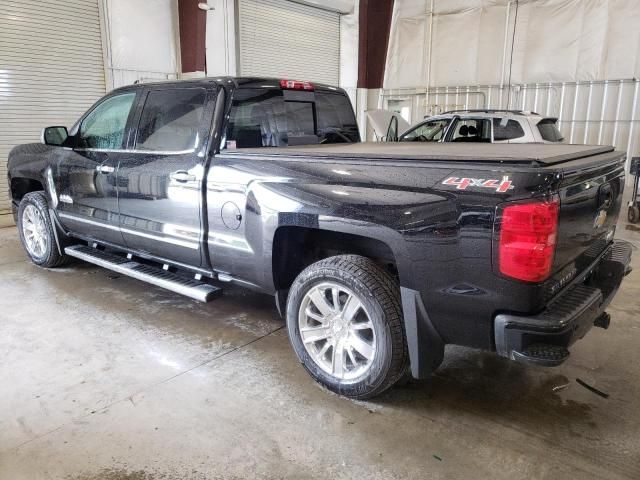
[(34, 230), (337, 331)]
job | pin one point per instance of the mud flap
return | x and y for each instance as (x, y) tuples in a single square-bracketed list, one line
[(281, 302), (426, 348)]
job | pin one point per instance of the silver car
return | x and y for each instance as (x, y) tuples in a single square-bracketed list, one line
[(484, 126)]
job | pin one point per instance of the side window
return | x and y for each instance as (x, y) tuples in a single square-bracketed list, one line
[(104, 126), (171, 119), (509, 131), (472, 130)]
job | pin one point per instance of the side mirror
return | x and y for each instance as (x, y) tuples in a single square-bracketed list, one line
[(55, 136)]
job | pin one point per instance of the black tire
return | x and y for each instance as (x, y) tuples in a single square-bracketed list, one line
[(51, 257), (379, 294), (633, 214)]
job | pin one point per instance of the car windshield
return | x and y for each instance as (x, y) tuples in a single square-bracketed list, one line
[(430, 131)]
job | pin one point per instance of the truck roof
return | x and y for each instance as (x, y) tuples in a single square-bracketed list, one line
[(522, 153), (238, 82)]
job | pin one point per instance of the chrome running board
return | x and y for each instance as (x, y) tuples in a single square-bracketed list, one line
[(191, 288)]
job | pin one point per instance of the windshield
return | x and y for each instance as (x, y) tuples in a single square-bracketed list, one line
[(431, 131), (275, 118)]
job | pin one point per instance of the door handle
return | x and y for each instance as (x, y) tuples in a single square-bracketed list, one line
[(105, 169), (182, 177)]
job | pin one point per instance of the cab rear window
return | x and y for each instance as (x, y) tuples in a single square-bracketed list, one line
[(277, 118)]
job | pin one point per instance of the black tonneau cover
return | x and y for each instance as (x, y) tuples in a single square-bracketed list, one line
[(514, 153)]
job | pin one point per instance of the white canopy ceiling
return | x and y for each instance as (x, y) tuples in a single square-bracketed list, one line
[(468, 42)]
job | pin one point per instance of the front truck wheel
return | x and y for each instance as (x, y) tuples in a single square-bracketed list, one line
[(36, 231), (345, 324)]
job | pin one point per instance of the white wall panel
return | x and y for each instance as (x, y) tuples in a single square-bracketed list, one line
[(221, 39), (349, 55), (141, 40), (406, 58), (622, 41), (280, 38), (51, 69), (349, 44)]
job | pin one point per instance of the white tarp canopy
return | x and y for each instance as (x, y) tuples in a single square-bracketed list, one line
[(470, 42)]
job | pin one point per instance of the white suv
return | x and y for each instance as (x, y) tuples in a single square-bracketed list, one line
[(484, 126)]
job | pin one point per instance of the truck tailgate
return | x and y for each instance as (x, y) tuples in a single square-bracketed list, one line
[(590, 201)]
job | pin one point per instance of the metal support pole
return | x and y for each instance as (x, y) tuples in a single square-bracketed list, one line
[(602, 112), (617, 117), (561, 105), (631, 141), (504, 46), (573, 111), (586, 125)]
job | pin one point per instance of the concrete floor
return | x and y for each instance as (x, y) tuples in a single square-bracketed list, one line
[(104, 377)]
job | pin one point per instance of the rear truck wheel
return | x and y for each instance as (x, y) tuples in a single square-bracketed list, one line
[(634, 214), (36, 231), (344, 319)]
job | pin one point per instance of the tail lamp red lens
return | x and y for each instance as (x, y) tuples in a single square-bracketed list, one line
[(296, 85), (527, 243)]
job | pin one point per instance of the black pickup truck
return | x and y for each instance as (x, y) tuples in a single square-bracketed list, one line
[(378, 255)]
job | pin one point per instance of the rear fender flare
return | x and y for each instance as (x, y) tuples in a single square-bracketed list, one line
[(426, 347)]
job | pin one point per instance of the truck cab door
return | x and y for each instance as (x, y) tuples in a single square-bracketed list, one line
[(160, 178), (85, 179)]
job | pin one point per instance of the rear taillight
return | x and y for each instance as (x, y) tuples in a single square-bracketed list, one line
[(296, 85), (527, 241)]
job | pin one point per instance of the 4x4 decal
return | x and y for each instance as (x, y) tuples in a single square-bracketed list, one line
[(500, 186)]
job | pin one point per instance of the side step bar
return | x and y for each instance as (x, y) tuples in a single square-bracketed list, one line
[(200, 291)]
